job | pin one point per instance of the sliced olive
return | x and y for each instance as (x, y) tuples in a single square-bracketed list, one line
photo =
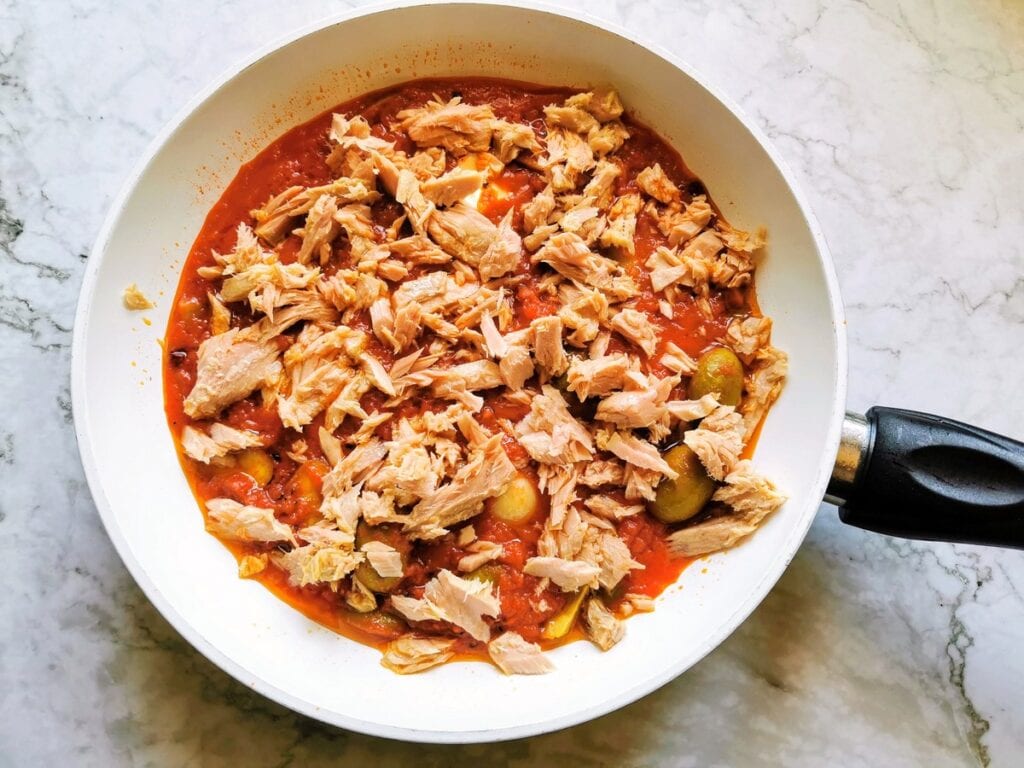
[(684, 497), (256, 463), (558, 626), (377, 623), (518, 503), (491, 573), (718, 371), (387, 534)]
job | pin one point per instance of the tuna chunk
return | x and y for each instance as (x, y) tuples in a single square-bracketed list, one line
[(550, 434), (384, 559), (319, 230), (569, 575), (231, 520), (230, 367), (462, 602), (486, 474), (603, 629), (452, 186), (463, 232), (512, 138), (515, 656), (748, 335), (599, 376), (569, 255), (656, 183), (635, 326), (763, 386), (610, 508), (221, 441), (410, 654), (314, 565), (635, 409), (718, 441), (547, 345), (458, 128), (504, 252), (639, 453), (621, 229)]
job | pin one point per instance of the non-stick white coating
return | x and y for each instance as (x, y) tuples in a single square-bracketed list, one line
[(129, 457)]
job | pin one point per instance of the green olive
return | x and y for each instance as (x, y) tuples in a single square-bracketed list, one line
[(518, 503), (684, 497), (387, 534), (491, 573), (718, 371), (377, 623)]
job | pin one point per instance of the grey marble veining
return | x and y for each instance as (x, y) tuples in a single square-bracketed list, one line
[(904, 121)]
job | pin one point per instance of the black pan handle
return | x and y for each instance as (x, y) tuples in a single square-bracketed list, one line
[(920, 476)]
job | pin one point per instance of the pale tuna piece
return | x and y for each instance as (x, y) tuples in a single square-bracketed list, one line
[(480, 553), (635, 327), (746, 336), (537, 211), (614, 560), (313, 564), (359, 598), (484, 475), (569, 575), (583, 311), (608, 138), (385, 559), (638, 453), (407, 192), (376, 373), (752, 497), (494, 341), (602, 103), (512, 138), (475, 376), (763, 386), (447, 597), (221, 441), (515, 656), (599, 376), (250, 565), (353, 468), (319, 231), (655, 182), (547, 345), (463, 232), (602, 183), (718, 441), (677, 361), (602, 628), (230, 520), (516, 366), (704, 247), (570, 117), (325, 534), (410, 654), (680, 225), (569, 255), (418, 249), (135, 300), (692, 410), (451, 187), (504, 252), (635, 409), (408, 319), (610, 508), (602, 472), (550, 434), (458, 128), (621, 229), (231, 365)]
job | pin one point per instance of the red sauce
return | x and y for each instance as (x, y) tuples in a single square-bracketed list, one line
[(298, 158)]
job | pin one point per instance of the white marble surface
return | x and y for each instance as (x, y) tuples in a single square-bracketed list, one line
[(905, 122)]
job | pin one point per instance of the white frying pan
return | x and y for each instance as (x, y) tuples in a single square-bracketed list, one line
[(153, 519)]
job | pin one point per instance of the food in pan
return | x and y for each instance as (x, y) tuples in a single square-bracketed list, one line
[(471, 369)]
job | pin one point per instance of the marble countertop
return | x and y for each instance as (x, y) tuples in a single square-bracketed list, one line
[(905, 124)]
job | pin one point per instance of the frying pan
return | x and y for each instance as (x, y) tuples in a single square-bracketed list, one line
[(892, 471)]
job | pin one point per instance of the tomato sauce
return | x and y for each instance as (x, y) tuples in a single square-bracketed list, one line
[(298, 157)]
